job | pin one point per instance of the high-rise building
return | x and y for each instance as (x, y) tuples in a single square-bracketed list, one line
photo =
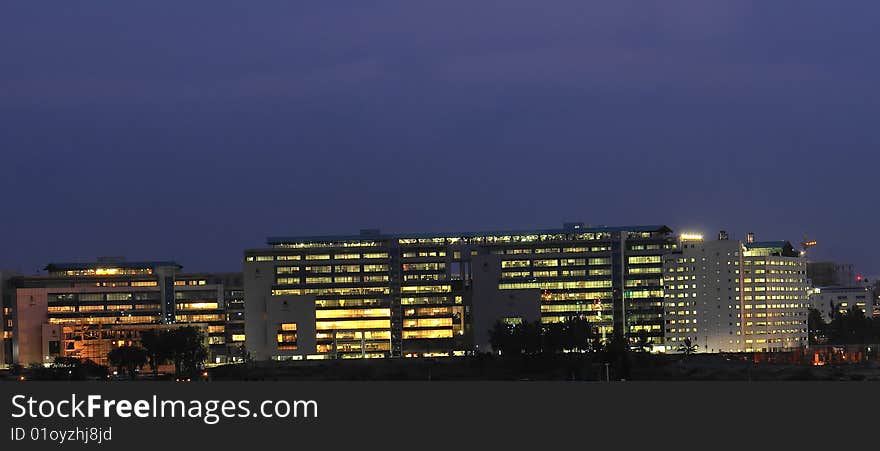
[(84, 310), (731, 296), (702, 286), (377, 295)]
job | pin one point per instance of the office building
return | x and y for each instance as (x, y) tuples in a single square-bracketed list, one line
[(730, 296), (84, 310), (702, 289), (214, 300), (875, 290), (828, 300), (379, 295), (6, 319)]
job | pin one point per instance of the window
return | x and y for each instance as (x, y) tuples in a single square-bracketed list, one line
[(376, 255), (643, 259), (346, 256), (119, 296)]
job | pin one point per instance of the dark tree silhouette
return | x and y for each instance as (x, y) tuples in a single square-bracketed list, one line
[(157, 351), (555, 338), (579, 333), (128, 359), (687, 347), (643, 343), (852, 327), (817, 328), (500, 337), (184, 347)]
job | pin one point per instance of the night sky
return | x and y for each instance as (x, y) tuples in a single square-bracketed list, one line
[(193, 130)]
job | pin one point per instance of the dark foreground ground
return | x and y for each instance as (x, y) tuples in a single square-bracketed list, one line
[(552, 367), (578, 367)]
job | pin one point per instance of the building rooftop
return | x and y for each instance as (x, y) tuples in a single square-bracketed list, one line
[(767, 244), (373, 234), (109, 264), (785, 249)]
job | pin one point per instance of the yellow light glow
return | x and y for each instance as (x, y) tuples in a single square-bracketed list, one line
[(691, 237), (106, 271)]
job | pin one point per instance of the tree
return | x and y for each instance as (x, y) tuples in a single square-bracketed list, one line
[(128, 359), (596, 344), (154, 343), (617, 353), (183, 346), (687, 347), (554, 338), (186, 346), (817, 328), (529, 337), (516, 339), (851, 327), (500, 337), (579, 333), (644, 343)]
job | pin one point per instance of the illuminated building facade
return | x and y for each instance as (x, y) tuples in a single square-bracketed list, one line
[(702, 287), (379, 295), (6, 320), (841, 299), (84, 310), (214, 301), (730, 296)]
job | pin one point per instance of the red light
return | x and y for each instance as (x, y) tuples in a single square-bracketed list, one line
[(859, 278)]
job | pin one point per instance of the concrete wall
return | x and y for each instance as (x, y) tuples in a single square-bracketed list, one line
[(31, 314), (263, 314), (489, 304), (291, 309)]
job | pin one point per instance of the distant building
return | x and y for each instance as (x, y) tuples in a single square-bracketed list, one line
[(378, 295), (828, 274), (731, 296), (84, 310), (7, 320), (842, 299), (875, 289)]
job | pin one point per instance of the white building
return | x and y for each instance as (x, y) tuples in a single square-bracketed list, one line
[(842, 299), (729, 296)]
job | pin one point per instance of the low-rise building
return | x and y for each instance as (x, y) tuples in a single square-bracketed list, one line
[(828, 300), (84, 310)]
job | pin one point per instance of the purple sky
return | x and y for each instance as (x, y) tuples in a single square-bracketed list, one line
[(192, 130)]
